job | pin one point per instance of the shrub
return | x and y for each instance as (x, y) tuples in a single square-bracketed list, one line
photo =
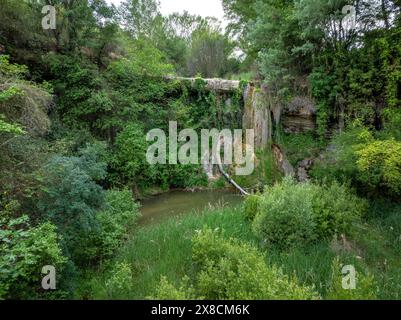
[(230, 270), (24, 251), (187, 176), (167, 291), (120, 281), (336, 210), (251, 206), (379, 164), (291, 214), (373, 166), (285, 217), (71, 197), (120, 215), (339, 162), (365, 287), (129, 156)]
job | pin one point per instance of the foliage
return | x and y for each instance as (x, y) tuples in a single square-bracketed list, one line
[(365, 286), (139, 16), (114, 222), (291, 214), (22, 103), (311, 48), (76, 102), (6, 127), (266, 172), (339, 161), (8, 69), (285, 218), (251, 206), (130, 154), (25, 250), (209, 54), (167, 291), (299, 146), (336, 210), (187, 176), (379, 164), (168, 243), (379, 238), (229, 270), (71, 197), (371, 164), (120, 281)]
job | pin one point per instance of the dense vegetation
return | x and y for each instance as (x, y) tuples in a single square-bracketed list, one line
[(76, 104)]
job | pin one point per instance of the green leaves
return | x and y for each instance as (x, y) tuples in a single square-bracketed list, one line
[(227, 269), (24, 251), (291, 214), (379, 163), (8, 69), (6, 127), (130, 152), (71, 197)]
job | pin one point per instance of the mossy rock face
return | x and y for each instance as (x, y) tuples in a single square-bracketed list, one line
[(298, 123), (257, 115), (299, 115), (216, 84)]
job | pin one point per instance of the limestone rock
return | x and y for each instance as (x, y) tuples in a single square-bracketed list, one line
[(299, 115), (257, 115)]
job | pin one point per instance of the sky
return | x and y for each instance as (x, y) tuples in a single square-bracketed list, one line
[(203, 8)]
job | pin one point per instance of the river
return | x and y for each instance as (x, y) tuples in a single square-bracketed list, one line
[(178, 202)]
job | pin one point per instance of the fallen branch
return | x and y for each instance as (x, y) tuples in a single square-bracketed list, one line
[(225, 174)]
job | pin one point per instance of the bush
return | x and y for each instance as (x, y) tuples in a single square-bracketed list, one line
[(24, 251), (230, 270), (379, 164), (186, 176), (373, 166), (167, 291), (120, 215), (365, 287), (339, 162), (251, 206), (336, 210), (285, 217), (291, 214), (129, 157), (71, 197), (120, 281)]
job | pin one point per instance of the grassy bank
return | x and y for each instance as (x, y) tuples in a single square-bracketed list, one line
[(165, 249)]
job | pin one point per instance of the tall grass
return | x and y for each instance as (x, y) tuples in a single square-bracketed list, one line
[(380, 242), (165, 249)]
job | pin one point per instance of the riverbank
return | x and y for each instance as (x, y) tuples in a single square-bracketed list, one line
[(217, 184), (161, 249), (165, 250), (179, 202)]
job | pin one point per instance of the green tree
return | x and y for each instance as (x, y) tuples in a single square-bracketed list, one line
[(130, 157), (210, 54), (70, 195)]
